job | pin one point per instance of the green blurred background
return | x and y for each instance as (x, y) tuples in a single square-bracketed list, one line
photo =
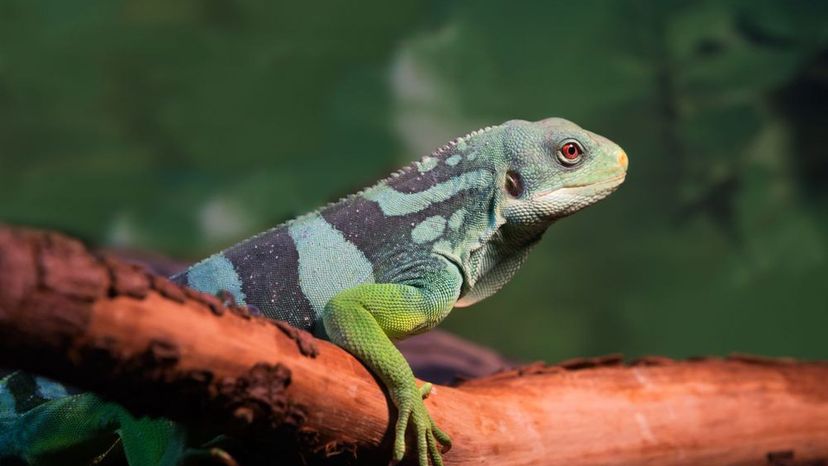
[(182, 127)]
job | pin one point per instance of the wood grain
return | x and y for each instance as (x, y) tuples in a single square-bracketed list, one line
[(138, 339)]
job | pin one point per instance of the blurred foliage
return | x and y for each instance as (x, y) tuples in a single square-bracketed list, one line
[(182, 127)]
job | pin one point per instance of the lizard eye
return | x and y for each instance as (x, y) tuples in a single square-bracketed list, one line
[(514, 184), (570, 153)]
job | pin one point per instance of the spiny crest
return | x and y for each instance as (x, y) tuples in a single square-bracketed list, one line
[(438, 152), (442, 149)]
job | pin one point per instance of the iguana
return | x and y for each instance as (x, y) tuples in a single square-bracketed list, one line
[(385, 263)]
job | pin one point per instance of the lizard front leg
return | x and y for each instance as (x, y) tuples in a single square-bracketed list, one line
[(364, 319)]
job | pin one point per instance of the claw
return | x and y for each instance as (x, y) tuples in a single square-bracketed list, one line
[(223, 457), (441, 437), (208, 455)]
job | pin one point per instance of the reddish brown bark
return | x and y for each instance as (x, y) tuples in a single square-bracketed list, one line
[(159, 349)]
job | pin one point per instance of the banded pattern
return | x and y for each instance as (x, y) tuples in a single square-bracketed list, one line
[(291, 271)]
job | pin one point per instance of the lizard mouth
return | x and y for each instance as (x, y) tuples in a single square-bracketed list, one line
[(607, 185)]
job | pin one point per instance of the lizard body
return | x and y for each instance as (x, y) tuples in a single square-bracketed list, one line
[(393, 260)]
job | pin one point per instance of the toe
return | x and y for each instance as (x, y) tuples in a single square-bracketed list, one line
[(441, 436), (434, 451), (422, 447), (425, 390), (399, 439)]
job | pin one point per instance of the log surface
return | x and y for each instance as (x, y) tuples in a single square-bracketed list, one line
[(136, 338)]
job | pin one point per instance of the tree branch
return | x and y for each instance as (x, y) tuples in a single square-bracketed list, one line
[(159, 349)]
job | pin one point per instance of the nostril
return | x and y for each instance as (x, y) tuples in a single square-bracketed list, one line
[(623, 160)]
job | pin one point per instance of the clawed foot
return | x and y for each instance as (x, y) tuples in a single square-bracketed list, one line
[(413, 412)]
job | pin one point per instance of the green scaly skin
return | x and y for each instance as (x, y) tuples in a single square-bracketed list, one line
[(393, 260), (365, 319), (42, 424)]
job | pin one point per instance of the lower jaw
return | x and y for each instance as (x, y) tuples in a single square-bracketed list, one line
[(609, 186)]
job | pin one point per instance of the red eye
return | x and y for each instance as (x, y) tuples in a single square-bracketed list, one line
[(571, 151)]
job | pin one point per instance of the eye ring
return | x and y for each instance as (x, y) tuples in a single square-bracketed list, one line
[(570, 152), (514, 183)]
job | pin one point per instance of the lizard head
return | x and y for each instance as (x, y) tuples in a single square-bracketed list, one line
[(507, 184), (554, 168), (543, 171)]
